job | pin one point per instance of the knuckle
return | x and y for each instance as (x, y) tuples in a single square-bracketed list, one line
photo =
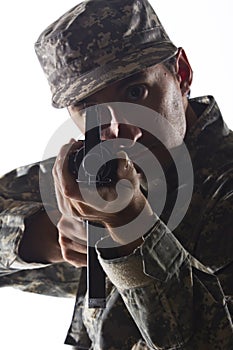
[(60, 228), (67, 254), (62, 223), (62, 241), (73, 259)]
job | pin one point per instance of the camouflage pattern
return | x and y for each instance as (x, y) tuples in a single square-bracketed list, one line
[(20, 200), (97, 43), (185, 300)]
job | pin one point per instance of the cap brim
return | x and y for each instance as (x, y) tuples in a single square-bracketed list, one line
[(81, 87)]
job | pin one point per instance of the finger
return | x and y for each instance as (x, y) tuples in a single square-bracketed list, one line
[(72, 228), (69, 244), (69, 185), (66, 188), (64, 206), (64, 180), (126, 169), (63, 155), (75, 259), (71, 145), (73, 253)]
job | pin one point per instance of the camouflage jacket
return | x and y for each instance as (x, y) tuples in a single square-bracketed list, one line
[(173, 292)]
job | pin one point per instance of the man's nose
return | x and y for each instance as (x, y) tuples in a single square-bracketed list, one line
[(114, 124)]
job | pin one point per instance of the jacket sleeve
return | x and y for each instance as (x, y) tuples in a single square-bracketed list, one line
[(24, 193), (176, 300)]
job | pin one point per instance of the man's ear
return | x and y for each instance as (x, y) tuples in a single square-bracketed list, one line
[(184, 72)]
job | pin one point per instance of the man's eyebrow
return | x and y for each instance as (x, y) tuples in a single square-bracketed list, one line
[(131, 79)]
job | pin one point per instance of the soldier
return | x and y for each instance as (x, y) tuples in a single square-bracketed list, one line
[(169, 282)]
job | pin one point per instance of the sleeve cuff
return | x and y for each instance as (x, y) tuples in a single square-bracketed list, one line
[(159, 257), (125, 272), (162, 253)]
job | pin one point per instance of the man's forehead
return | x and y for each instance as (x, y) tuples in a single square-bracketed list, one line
[(144, 74)]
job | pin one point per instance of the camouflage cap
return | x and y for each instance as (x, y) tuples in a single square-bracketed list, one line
[(97, 43)]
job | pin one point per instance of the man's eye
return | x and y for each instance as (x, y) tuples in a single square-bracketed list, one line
[(136, 92)]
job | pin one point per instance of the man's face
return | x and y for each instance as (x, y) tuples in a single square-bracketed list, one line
[(155, 88)]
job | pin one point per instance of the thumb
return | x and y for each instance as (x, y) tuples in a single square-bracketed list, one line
[(126, 167)]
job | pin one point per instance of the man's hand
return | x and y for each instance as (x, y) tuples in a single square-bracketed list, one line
[(72, 240), (115, 207)]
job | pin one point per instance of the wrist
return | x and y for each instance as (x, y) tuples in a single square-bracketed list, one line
[(121, 249), (109, 250), (134, 227)]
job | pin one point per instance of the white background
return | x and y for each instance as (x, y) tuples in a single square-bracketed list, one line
[(202, 27)]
